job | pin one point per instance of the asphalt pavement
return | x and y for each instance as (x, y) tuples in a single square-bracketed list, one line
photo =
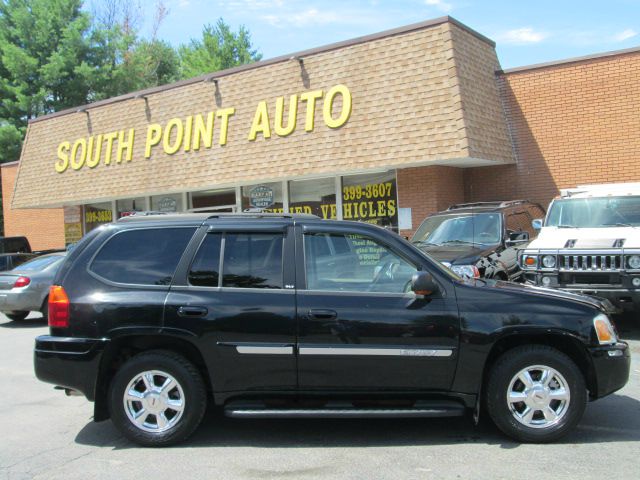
[(46, 435)]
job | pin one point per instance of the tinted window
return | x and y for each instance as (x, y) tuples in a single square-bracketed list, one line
[(4, 263), (146, 257), (40, 263), (205, 268), (253, 260), (337, 262)]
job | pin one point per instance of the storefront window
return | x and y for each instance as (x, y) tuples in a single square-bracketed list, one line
[(72, 224), (213, 200), (130, 205), (167, 203), (371, 198), (265, 196), (317, 197), (96, 214)]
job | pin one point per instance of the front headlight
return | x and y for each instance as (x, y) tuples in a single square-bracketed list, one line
[(548, 261), (633, 262), (470, 271), (604, 330)]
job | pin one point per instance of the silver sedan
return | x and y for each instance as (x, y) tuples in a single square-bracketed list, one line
[(26, 287)]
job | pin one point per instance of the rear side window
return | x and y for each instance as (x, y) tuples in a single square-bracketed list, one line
[(143, 257), (205, 269), (253, 260)]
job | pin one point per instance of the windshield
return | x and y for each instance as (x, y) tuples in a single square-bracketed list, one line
[(594, 212), (39, 263), (469, 228)]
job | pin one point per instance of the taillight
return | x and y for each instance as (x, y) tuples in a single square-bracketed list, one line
[(22, 282), (58, 307)]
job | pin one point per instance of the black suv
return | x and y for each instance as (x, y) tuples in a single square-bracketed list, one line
[(276, 316), (480, 239)]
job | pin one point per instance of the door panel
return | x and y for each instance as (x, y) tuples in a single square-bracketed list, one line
[(243, 320), (381, 339)]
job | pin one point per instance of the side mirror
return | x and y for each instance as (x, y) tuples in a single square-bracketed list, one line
[(422, 283), (537, 223), (516, 238)]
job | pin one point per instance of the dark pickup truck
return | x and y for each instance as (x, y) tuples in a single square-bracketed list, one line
[(293, 316)]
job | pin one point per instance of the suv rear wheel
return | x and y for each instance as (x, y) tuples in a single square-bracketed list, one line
[(157, 398), (535, 393), (17, 316)]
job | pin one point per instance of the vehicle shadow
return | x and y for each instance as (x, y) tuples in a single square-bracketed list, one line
[(613, 419), (26, 323)]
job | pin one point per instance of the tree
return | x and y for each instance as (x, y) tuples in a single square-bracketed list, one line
[(219, 48), (45, 64)]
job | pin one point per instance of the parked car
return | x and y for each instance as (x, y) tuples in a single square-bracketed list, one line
[(590, 243), (479, 239), (26, 288), (14, 245), (9, 261), (151, 316)]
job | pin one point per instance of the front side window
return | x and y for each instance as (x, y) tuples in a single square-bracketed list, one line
[(252, 260), (354, 263), (460, 228), (142, 257)]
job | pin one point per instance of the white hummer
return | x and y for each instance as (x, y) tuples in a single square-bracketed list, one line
[(589, 243)]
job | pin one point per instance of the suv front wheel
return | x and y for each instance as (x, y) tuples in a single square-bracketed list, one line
[(157, 398), (535, 393)]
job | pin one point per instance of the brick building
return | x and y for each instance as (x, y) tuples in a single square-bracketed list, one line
[(385, 128)]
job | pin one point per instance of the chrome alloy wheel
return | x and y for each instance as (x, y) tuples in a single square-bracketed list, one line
[(154, 401), (538, 396)]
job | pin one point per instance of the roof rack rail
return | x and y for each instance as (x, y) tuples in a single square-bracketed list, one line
[(247, 214), (498, 203)]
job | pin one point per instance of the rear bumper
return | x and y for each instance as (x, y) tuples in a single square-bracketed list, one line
[(69, 362), (612, 364)]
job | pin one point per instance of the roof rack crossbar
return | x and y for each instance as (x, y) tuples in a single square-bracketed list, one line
[(497, 203)]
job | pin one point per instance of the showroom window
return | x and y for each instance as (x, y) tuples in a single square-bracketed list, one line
[(267, 197), (130, 205), (213, 200), (317, 197), (371, 198), (167, 203)]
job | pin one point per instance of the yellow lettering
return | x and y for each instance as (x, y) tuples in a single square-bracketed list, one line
[(75, 163), (391, 208), (154, 134), (382, 211), (188, 129), (169, 148), (260, 122), (224, 115), (109, 137), (291, 118), (93, 157), (347, 211), (203, 132), (362, 210), (63, 157), (125, 145), (310, 98), (327, 108)]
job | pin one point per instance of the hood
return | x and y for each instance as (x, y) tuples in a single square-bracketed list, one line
[(599, 303), (587, 238), (458, 254)]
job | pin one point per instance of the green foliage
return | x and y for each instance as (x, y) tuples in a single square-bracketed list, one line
[(219, 48), (54, 55)]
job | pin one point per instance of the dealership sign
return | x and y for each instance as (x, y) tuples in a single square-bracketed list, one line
[(196, 132)]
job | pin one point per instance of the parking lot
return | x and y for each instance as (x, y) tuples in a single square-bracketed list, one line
[(45, 434)]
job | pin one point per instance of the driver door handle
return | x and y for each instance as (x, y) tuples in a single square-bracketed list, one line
[(192, 311), (321, 314)]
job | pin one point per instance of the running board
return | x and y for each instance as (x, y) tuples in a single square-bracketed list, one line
[(437, 410)]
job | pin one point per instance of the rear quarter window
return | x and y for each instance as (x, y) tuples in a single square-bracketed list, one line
[(142, 257)]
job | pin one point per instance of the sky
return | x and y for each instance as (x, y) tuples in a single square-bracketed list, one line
[(526, 32)]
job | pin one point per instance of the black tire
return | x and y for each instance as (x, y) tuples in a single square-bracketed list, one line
[(504, 413), (17, 316), (192, 392)]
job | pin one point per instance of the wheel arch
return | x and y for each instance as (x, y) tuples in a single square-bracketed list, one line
[(570, 346), (123, 347)]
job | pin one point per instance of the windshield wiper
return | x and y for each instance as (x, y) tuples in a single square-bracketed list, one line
[(619, 225), (457, 241), (566, 226), (424, 242)]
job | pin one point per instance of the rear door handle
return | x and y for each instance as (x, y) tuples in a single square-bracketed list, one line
[(320, 314), (192, 311)]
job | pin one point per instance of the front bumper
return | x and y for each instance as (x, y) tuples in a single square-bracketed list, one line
[(612, 364), (69, 362)]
